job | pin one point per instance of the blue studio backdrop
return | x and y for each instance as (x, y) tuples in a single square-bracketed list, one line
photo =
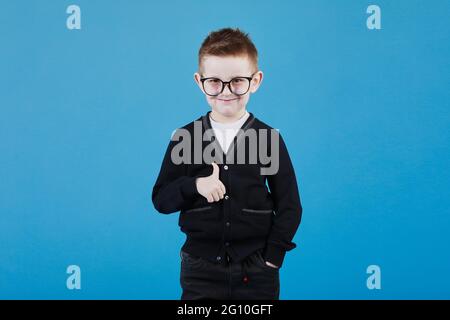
[(86, 113)]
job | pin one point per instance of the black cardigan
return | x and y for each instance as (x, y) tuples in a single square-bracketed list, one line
[(249, 217)]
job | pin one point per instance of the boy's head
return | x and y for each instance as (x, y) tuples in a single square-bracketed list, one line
[(228, 55)]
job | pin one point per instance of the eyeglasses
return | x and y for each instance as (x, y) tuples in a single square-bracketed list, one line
[(238, 85)]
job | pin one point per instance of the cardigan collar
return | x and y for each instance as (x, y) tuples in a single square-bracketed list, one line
[(210, 133)]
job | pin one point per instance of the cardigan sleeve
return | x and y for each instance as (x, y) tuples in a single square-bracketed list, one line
[(173, 189), (288, 208)]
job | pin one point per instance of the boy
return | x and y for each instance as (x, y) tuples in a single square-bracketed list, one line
[(238, 231)]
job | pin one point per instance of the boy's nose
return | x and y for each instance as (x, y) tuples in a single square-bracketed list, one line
[(227, 90)]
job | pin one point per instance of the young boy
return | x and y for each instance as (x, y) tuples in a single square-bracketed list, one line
[(238, 228)]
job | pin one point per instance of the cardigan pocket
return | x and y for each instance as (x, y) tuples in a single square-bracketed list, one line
[(201, 222), (252, 222), (257, 211), (198, 209)]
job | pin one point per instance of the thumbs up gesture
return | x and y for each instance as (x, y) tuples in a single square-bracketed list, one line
[(211, 187)]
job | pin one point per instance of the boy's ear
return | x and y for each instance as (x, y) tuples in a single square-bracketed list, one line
[(256, 81), (197, 78)]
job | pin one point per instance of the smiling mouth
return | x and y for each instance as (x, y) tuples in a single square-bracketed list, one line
[(227, 100)]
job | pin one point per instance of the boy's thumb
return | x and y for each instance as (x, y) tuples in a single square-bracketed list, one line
[(215, 172)]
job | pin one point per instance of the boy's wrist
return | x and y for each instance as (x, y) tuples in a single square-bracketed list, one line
[(274, 254)]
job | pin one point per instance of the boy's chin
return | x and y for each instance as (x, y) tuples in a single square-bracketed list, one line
[(227, 111)]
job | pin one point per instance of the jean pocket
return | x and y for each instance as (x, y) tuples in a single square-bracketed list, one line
[(191, 260), (262, 262)]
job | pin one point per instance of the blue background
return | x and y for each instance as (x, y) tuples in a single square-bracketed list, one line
[(86, 116)]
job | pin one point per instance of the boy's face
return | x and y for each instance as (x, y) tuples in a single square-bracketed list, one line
[(227, 104)]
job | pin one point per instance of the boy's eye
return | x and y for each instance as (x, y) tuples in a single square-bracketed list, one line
[(237, 80), (213, 82)]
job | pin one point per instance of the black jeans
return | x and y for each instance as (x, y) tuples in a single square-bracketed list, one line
[(228, 280)]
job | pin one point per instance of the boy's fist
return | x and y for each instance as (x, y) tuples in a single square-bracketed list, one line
[(211, 187)]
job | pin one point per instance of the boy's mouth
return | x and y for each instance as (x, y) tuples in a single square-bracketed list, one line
[(227, 100)]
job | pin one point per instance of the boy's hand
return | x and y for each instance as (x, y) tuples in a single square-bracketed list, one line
[(211, 187)]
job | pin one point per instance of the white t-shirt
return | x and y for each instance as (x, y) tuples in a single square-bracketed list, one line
[(225, 132)]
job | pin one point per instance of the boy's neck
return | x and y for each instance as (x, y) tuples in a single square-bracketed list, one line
[(224, 119)]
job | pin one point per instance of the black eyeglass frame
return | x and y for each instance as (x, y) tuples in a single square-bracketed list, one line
[(228, 83)]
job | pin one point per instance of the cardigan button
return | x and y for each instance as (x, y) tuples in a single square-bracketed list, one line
[(218, 258), (225, 167), (227, 224), (227, 197)]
